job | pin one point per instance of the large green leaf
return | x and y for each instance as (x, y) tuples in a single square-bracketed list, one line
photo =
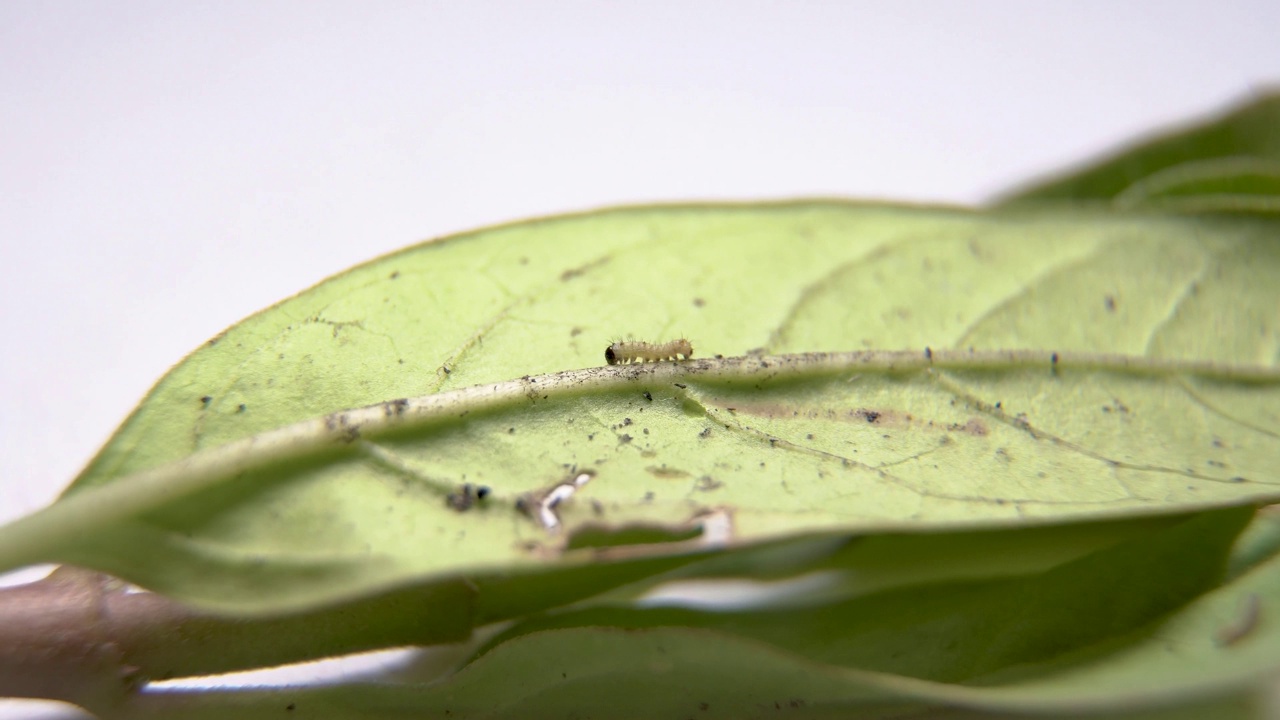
[(1052, 365)]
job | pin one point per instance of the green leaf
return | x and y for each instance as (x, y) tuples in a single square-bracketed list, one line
[(1050, 365), (1122, 630), (1230, 163), (955, 630)]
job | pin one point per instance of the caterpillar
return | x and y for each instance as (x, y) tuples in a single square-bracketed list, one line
[(635, 351)]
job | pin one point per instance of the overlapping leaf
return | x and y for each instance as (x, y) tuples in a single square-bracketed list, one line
[(1092, 634), (1229, 165)]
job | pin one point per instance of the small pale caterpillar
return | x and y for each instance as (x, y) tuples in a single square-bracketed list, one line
[(634, 351)]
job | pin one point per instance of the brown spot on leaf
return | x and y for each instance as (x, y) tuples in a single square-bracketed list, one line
[(974, 427)]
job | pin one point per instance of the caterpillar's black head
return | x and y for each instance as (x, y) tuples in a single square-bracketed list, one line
[(609, 357)]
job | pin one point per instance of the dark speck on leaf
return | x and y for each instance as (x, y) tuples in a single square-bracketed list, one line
[(395, 274), (206, 400), (241, 408), (928, 353), (680, 385), (624, 439), (465, 496), (648, 396)]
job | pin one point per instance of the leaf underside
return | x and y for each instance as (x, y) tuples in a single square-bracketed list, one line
[(1017, 446)]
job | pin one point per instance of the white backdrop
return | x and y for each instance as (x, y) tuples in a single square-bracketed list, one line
[(167, 169)]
